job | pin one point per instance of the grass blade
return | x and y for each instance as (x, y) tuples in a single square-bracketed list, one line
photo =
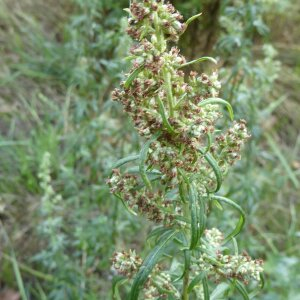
[(15, 265), (283, 160)]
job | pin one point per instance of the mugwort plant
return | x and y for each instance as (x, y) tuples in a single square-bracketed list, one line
[(175, 179)]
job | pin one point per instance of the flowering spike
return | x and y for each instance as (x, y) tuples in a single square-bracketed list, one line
[(177, 114)]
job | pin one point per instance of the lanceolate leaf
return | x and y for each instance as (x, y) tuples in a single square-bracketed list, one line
[(196, 212), (157, 232), (219, 291), (202, 216), (205, 288), (148, 265), (125, 205), (204, 58), (117, 282), (191, 19), (241, 221), (132, 76), (209, 142), (143, 158), (195, 281), (210, 159), (164, 116), (187, 256), (242, 290), (218, 101), (125, 160)]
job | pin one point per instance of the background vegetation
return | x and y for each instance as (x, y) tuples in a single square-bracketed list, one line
[(60, 133)]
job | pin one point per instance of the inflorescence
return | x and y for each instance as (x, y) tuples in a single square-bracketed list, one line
[(177, 113)]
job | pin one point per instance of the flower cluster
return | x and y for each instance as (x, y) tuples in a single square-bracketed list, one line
[(158, 285), (219, 265), (157, 96), (151, 204), (50, 198), (148, 15), (126, 263), (228, 145)]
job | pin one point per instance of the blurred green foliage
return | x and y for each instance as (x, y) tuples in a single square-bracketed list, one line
[(59, 61)]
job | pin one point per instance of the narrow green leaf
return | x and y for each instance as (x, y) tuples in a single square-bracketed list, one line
[(218, 101), (132, 76), (258, 289), (125, 205), (213, 163), (219, 291), (196, 280), (13, 143), (24, 268), (148, 265), (202, 216), (117, 282), (242, 218), (18, 277), (157, 232), (262, 280), (205, 288), (165, 120), (204, 58), (191, 19), (217, 204), (209, 142), (187, 256), (180, 101), (143, 158), (235, 246), (127, 10), (125, 160), (182, 191), (242, 290), (196, 217)]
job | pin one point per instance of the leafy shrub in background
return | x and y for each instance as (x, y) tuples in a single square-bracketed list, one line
[(79, 131)]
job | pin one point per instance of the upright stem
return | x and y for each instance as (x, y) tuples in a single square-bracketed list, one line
[(168, 83), (186, 279)]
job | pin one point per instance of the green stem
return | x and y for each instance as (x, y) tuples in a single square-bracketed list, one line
[(167, 77), (186, 279)]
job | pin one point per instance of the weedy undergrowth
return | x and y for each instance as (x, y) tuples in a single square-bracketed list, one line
[(180, 168)]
